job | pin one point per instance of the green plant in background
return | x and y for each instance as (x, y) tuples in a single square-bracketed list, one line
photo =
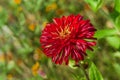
[(22, 22), (95, 4)]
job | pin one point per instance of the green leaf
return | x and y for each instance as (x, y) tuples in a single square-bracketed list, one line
[(3, 16), (117, 23), (94, 4), (71, 64), (94, 74), (117, 5), (114, 14), (114, 41), (117, 67), (36, 78), (11, 65), (22, 19), (37, 6), (2, 77), (116, 54), (104, 33), (82, 79)]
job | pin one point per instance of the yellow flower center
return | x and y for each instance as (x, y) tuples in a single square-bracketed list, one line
[(64, 32)]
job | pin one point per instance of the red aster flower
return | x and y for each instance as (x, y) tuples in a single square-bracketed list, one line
[(67, 38)]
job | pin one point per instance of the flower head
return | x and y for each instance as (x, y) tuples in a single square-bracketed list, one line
[(35, 68), (17, 1), (32, 27), (67, 38)]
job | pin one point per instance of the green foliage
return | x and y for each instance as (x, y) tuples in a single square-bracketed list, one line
[(94, 73), (104, 33), (117, 23), (71, 64), (10, 65), (117, 68), (117, 5), (21, 24), (116, 54), (94, 4), (3, 16), (114, 41), (36, 78), (2, 77)]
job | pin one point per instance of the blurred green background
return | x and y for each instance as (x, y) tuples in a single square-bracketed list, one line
[(21, 23)]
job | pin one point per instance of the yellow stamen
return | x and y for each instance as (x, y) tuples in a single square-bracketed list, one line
[(64, 32)]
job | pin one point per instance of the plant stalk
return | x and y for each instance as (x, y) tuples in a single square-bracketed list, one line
[(85, 72)]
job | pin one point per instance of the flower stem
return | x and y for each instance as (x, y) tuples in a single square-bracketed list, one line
[(85, 72)]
